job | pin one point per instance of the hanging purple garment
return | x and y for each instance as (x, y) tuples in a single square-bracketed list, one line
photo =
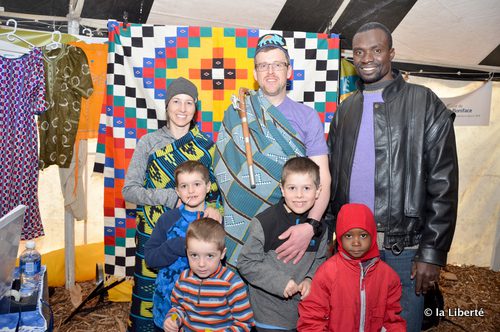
[(22, 96)]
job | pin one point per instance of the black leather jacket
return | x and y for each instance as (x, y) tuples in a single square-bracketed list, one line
[(416, 168)]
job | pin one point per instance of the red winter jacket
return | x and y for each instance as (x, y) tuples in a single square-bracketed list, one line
[(348, 292)]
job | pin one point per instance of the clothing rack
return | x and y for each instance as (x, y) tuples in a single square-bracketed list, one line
[(12, 36), (487, 76), (69, 219), (62, 26)]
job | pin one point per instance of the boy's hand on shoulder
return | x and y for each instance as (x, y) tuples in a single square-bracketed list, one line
[(305, 288), (213, 213), (298, 239), (291, 289), (178, 204)]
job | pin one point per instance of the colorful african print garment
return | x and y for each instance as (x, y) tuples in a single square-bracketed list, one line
[(348, 79), (273, 142), (22, 96), (168, 275), (160, 174)]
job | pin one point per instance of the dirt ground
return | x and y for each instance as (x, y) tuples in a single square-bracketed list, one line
[(467, 290)]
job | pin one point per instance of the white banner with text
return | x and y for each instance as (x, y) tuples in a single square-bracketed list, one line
[(473, 108)]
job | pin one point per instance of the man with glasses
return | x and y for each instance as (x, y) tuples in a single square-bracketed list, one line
[(280, 129)]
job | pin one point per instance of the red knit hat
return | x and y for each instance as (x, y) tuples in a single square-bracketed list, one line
[(355, 215)]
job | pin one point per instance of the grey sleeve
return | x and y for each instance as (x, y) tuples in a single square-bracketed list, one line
[(320, 256), (258, 267), (133, 190)]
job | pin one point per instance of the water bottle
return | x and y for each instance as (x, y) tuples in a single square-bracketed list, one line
[(30, 264)]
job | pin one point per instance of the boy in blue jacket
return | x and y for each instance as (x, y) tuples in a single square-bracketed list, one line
[(166, 249)]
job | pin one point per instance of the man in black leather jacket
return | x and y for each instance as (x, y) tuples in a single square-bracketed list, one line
[(392, 147)]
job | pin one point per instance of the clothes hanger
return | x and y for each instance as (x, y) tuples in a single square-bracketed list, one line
[(12, 36), (56, 41), (87, 32), (90, 36)]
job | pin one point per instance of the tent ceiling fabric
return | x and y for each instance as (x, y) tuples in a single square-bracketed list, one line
[(37, 7), (456, 33), (136, 11), (450, 33), (358, 12), (223, 13), (306, 15)]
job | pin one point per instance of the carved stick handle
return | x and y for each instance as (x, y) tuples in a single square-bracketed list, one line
[(242, 112)]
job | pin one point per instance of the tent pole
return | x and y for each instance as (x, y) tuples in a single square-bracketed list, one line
[(74, 16), (69, 219), (69, 247)]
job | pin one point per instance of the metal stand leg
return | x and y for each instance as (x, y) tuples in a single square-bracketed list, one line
[(100, 290)]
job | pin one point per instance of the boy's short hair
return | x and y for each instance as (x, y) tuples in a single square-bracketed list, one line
[(301, 165), (207, 230), (192, 166)]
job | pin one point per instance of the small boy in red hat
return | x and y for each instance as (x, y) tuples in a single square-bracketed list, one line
[(353, 290)]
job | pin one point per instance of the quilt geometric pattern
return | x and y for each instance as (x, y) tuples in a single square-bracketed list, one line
[(143, 59)]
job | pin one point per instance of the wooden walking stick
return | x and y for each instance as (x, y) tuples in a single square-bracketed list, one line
[(240, 105)]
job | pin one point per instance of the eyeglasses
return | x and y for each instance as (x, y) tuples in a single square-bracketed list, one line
[(277, 66)]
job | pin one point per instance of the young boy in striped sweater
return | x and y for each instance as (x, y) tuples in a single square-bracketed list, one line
[(208, 296)]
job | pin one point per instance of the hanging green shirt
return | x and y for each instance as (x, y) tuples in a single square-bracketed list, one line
[(67, 80)]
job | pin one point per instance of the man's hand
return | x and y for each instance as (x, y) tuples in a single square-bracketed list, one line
[(427, 275), (305, 288), (290, 289), (299, 237), (213, 213)]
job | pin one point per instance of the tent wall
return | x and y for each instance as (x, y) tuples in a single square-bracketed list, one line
[(476, 235), (479, 207), (52, 207)]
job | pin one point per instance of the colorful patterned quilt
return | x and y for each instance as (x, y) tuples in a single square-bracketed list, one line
[(142, 59)]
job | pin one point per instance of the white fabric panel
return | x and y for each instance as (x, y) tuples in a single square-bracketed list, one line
[(479, 186), (216, 13), (449, 32)]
